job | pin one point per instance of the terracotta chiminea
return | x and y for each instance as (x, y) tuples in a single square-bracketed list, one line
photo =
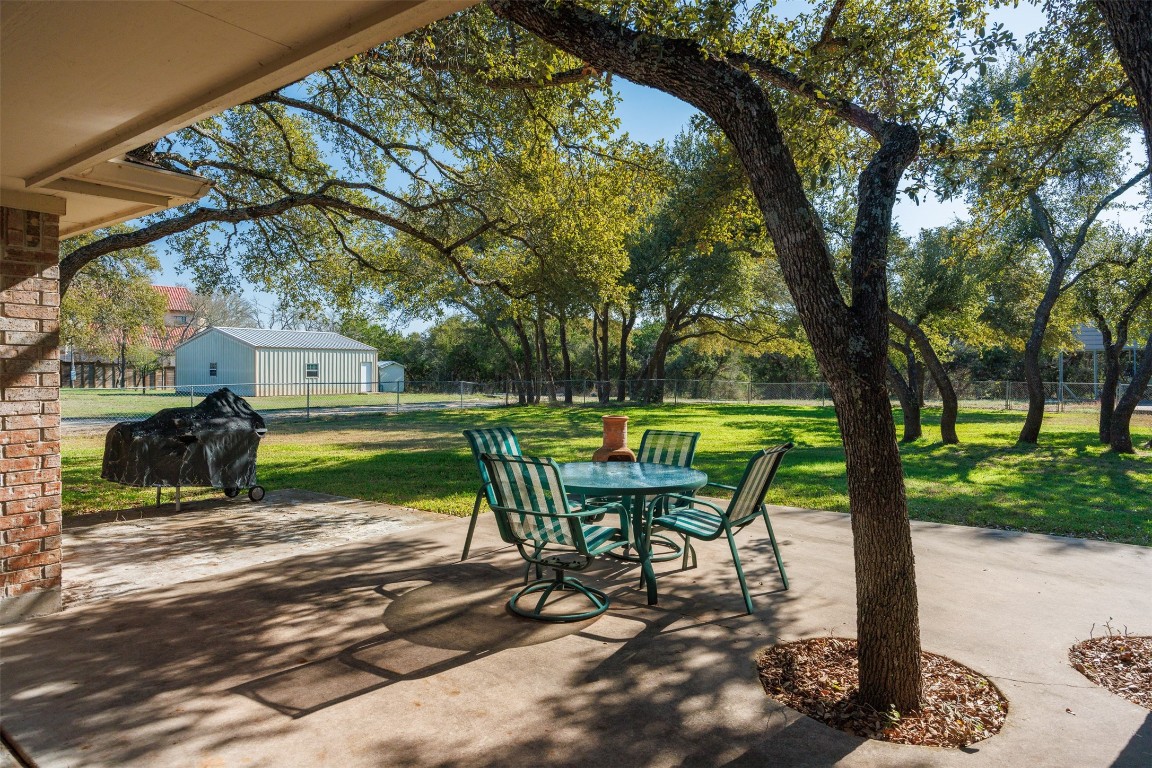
[(615, 446)]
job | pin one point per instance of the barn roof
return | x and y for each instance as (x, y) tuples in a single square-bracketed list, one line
[(265, 338)]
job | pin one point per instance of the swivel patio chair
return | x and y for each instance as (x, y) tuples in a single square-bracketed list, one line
[(532, 512), (496, 440), (699, 519)]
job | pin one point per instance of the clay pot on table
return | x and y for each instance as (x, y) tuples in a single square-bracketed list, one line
[(615, 447)]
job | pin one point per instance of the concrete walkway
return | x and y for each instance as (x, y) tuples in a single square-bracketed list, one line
[(314, 631)]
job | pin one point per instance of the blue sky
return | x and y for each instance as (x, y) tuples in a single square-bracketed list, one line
[(649, 115)]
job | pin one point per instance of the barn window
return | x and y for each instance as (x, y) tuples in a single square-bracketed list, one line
[(313, 370), (211, 369)]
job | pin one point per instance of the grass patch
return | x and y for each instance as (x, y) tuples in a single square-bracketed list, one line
[(1069, 485)]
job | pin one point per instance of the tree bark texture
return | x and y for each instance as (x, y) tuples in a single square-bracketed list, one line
[(1130, 24), (850, 341), (1121, 434)]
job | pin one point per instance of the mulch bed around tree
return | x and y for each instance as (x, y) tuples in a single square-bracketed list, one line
[(820, 677), (1119, 662)]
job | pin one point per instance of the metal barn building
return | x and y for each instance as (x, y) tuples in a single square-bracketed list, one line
[(391, 375), (255, 362)]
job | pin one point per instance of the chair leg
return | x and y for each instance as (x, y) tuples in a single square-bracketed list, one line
[(775, 548), (688, 550), (472, 524), (739, 569)]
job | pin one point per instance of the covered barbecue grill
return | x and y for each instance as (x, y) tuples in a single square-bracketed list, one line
[(210, 444)]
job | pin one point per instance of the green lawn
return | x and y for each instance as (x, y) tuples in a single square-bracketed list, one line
[(1069, 485)]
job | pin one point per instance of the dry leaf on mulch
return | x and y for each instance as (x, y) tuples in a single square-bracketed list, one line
[(1120, 663), (820, 678)]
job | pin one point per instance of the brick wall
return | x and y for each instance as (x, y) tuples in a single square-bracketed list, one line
[(30, 413)]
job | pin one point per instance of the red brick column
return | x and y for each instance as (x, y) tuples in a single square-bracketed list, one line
[(30, 411)]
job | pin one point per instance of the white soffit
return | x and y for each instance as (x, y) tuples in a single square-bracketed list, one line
[(83, 83)]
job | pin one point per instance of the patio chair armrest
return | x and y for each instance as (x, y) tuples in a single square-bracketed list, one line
[(612, 508), (690, 499), (572, 515)]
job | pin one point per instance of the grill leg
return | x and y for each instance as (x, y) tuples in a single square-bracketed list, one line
[(177, 498)]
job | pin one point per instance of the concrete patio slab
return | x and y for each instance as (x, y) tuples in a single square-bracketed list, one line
[(376, 648)]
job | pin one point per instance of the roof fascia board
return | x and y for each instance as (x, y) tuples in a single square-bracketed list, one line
[(125, 214), (391, 20), (105, 190), (33, 201)]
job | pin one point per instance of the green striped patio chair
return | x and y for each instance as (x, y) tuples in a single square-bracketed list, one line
[(497, 441), (698, 519), (532, 512), (662, 446)]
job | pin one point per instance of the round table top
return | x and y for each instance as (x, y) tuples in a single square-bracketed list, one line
[(628, 478)]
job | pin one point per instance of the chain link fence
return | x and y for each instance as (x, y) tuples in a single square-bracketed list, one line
[(96, 407), (308, 399), (987, 395)]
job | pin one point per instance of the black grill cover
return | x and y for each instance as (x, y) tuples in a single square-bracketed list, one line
[(210, 444)]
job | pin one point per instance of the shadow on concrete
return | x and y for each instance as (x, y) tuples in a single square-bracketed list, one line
[(439, 618), (132, 677), (1135, 753)]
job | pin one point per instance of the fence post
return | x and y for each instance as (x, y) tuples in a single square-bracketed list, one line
[(461, 394), (191, 395), (307, 400), (675, 391), (822, 398), (749, 391), (1007, 402)]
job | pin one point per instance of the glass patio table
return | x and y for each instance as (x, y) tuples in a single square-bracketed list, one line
[(634, 481)]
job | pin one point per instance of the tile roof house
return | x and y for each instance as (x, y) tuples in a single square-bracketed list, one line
[(81, 368)]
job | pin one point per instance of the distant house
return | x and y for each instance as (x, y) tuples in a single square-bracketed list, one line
[(80, 368), (260, 362), (391, 376)]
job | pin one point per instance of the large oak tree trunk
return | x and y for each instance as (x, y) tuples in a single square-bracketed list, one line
[(1130, 24), (886, 607), (1121, 434), (850, 340)]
